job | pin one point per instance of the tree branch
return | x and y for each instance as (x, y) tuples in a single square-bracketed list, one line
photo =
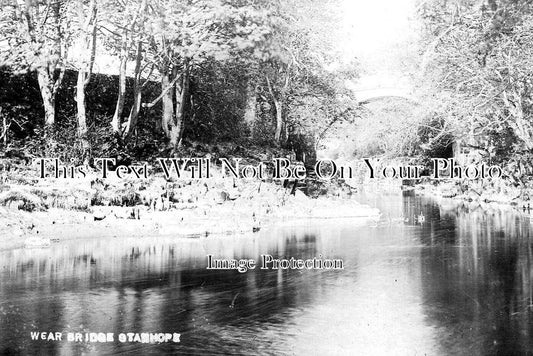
[(170, 86)]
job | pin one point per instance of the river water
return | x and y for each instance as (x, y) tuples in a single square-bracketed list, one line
[(458, 283)]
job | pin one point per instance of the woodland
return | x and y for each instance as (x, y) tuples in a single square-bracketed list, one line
[(142, 79), (245, 72)]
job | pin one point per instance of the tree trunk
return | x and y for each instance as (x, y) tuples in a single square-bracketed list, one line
[(129, 28), (80, 103), (250, 109), (48, 96), (88, 29), (279, 111), (49, 59), (182, 99), (279, 121), (4, 128), (116, 122), (167, 119), (137, 94)]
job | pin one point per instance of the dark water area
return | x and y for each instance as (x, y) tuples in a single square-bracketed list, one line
[(459, 283)]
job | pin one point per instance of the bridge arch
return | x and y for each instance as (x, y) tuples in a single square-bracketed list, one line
[(366, 96)]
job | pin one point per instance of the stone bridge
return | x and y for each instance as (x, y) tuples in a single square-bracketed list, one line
[(365, 96)]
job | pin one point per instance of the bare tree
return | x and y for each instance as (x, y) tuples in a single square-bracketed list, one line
[(45, 47), (131, 26), (88, 25)]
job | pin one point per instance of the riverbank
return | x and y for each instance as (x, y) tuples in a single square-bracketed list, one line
[(34, 210), (485, 193)]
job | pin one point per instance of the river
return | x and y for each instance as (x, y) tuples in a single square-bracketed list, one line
[(458, 283)]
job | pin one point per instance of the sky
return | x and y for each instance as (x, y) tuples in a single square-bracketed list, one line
[(380, 34)]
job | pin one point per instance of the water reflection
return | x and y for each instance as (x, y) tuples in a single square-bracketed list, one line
[(156, 285), (459, 283), (478, 285)]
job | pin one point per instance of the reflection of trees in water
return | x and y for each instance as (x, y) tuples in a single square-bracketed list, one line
[(477, 279), (20, 313), (155, 286), (413, 207)]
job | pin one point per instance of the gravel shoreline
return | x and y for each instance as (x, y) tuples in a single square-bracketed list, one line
[(159, 208)]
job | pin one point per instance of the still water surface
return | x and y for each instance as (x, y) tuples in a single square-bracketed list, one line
[(459, 283)]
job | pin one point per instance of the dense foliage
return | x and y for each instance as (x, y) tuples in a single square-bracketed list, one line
[(182, 70), (478, 57)]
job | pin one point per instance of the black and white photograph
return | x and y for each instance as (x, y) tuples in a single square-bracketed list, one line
[(266, 177)]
